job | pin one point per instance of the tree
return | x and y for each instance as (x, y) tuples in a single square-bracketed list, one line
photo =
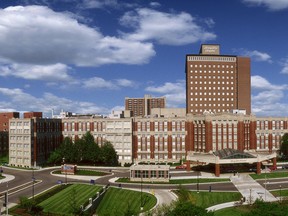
[(179, 208), (188, 209), (108, 154), (260, 208), (67, 150), (92, 150), (55, 157), (284, 145), (84, 150)]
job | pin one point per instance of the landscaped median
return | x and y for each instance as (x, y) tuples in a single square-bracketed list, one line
[(269, 175), (84, 172), (178, 181)]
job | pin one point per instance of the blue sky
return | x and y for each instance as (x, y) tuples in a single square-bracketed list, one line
[(86, 56)]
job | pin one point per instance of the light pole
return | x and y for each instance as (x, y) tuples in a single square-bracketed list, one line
[(33, 181), (141, 207), (197, 181), (265, 182), (197, 178), (65, 170), (6, 200), (280, 193), (250, 201)]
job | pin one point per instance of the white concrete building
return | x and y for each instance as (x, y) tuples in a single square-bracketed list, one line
[(116, 131)]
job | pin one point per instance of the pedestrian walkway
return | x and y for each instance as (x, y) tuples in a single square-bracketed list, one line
[(250, 189)]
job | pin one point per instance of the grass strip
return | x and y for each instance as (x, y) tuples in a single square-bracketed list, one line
[(85, 173), (118, 202), (177, 181), (207, 199), (270, 175), (70, 199)]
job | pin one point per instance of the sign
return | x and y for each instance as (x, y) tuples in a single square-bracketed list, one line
[(207, 49)]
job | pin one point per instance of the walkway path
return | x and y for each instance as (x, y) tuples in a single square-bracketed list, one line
[(250, 189)]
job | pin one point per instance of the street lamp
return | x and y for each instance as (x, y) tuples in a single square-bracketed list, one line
[(265, 182), (250, 199), (33, 181), (141, 207), (197, 178), (65, 170), (280, 193)]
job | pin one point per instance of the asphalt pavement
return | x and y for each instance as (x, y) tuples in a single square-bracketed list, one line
[(19, 183)]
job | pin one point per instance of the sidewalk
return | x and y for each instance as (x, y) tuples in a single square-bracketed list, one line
[(250, 189)]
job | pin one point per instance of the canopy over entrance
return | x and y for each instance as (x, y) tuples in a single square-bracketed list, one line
[(231, 156)]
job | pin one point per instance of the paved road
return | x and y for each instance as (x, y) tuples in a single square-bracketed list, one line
[(48, 180)]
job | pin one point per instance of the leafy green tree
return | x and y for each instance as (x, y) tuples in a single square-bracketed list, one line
[(179, 208), (284, 145), (188, 209), (84, 150), (67, 150), (92, 150), (108, 154), (55, 157), (261, 208), (162, 210)]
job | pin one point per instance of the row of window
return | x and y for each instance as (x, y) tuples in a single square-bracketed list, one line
[(19, 123), (211, 82), (210, 105), (210, 94), (214, 110), (211, 99), (13, 131), (211, 72), (211, 66), (20, 137)]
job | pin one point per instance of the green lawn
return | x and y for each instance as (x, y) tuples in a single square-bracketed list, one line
[(118, 201), (270, 175), (69, 199), (284, 192), (178, 181), (235, 211), (207, 199), (201, 180), (85, 172)]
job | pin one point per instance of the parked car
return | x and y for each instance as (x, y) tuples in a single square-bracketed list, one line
[(183, 166)]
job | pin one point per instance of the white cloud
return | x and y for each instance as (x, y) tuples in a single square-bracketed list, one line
[(56, 72), (20, 100), (257, 55), (268, 99), (165, 28), (269, 103), (38, 35), (168, 88), (285, 67), (100, 83), (270, 4), (155, 4), (89, 4), (258, 82), (125, 83), (175, 93)]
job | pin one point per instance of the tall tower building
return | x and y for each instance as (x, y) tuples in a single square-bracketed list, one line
[(143, 106), (217, 83)]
